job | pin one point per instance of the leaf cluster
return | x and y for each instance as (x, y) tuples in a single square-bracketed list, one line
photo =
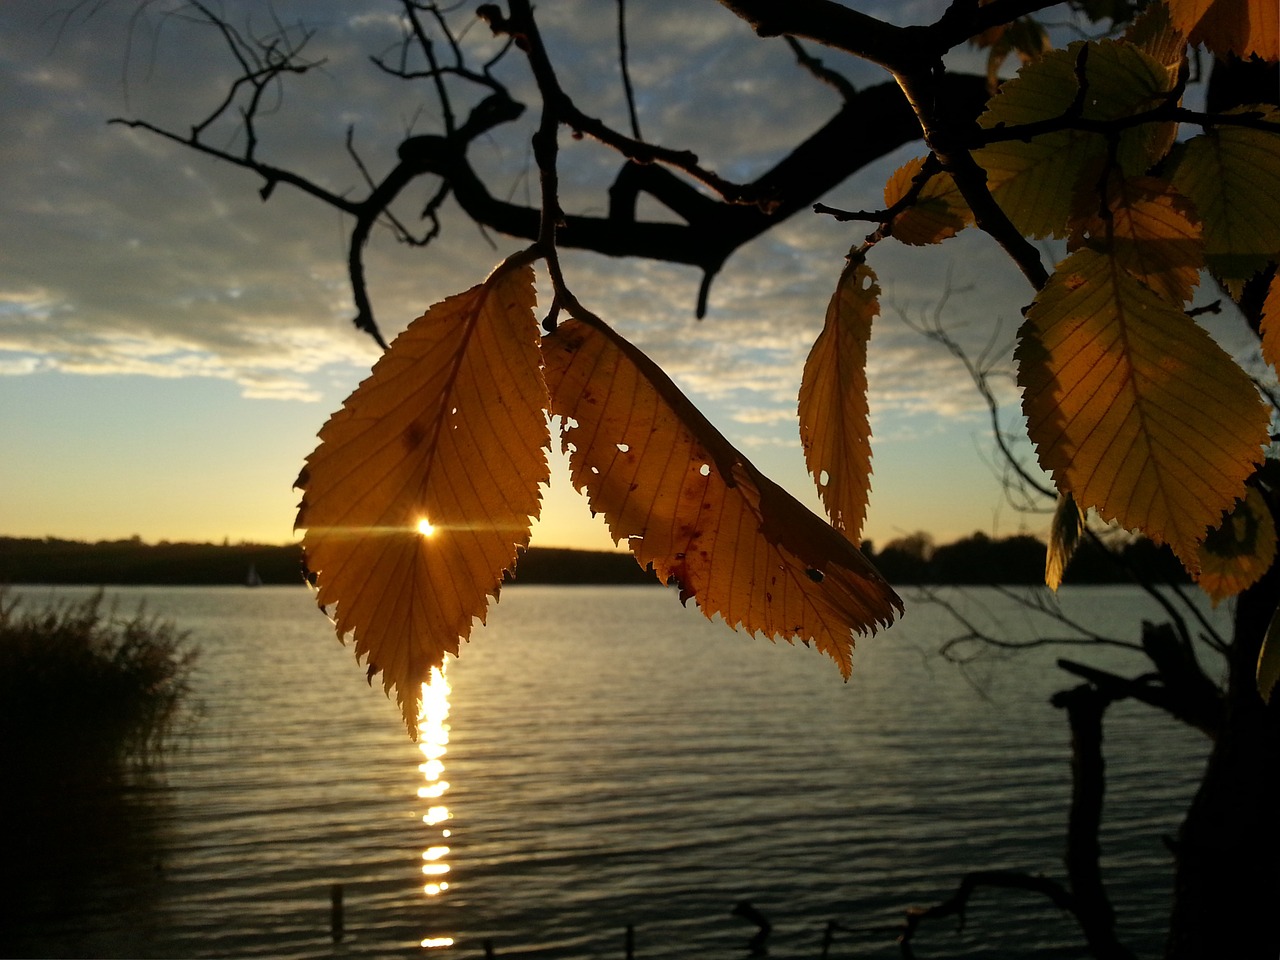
[(423, 487)]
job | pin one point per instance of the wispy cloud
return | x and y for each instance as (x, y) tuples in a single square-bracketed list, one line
[(127, 254)]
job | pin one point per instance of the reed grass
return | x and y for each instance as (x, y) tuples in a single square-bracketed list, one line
[(87, 696)]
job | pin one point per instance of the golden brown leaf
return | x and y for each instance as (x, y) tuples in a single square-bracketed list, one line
[(1241, 27), (1271, 324), (691, 505), (939, 211), (1234, 556), (834, 428), (1133, 407), (1024, 36), (1269, 659), (1151, 231), (1064, 536), (450, 428)]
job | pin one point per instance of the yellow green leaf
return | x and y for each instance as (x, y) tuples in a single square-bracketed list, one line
[(1271, 324), (1236, 554), (1133, 407), (1269, 659), (1232, 175), (1155, 34), (1244, 28), (423, 484), (1151, 231), (939, 211), (696, 509), (1064, 536), (834, 428), (1034, 180)]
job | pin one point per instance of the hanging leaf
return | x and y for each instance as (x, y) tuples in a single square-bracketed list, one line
[(939, 211), (1234, 556), (1064, 536), (1033, 180), (424, 483), (692, 506), (1232, 175), (834, 428), (1271, 324), (1269, 659), (1133, 407), (1024, 36), (1149, 229), (1244, 28)]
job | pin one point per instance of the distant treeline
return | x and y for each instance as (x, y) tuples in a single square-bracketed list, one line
[(915, 559), (125, 562), (980, 559)]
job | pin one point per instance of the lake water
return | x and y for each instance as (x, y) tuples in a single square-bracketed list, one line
[(613, 759)]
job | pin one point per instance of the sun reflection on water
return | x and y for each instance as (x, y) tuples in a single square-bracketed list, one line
[(433, 740)]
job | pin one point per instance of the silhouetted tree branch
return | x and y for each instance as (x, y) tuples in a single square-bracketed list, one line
[(1084, 896), (869, 124)]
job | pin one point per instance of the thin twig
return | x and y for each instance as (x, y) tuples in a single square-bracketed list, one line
[(626, 72)]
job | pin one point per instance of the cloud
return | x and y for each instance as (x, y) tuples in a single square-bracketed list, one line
[(128, 254)]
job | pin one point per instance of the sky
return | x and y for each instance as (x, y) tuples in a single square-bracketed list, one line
[(170, 344)]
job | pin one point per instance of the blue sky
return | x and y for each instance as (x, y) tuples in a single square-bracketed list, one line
[(170, 344)]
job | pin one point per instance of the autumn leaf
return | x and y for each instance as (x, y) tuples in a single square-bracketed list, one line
[(938, 211), (424, 483), (1269, 659), (1064, 536), (834, 428), (1232, 175), (1034, 179), (1154, 33), (1236, 554), (691, 505), (1133, 407), (1024, 36), (1271, 324), (1151, 231), (1244, 28)]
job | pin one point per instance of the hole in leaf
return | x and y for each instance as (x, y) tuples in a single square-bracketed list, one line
[(815, 575), (624, 448), (824, 478), (705, 469)]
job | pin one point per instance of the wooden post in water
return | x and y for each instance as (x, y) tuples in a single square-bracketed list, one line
[(335, 912), (827, 937)]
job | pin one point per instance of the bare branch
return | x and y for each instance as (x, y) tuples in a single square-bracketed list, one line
[(625, 70), (837, 81), (958, 903)]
